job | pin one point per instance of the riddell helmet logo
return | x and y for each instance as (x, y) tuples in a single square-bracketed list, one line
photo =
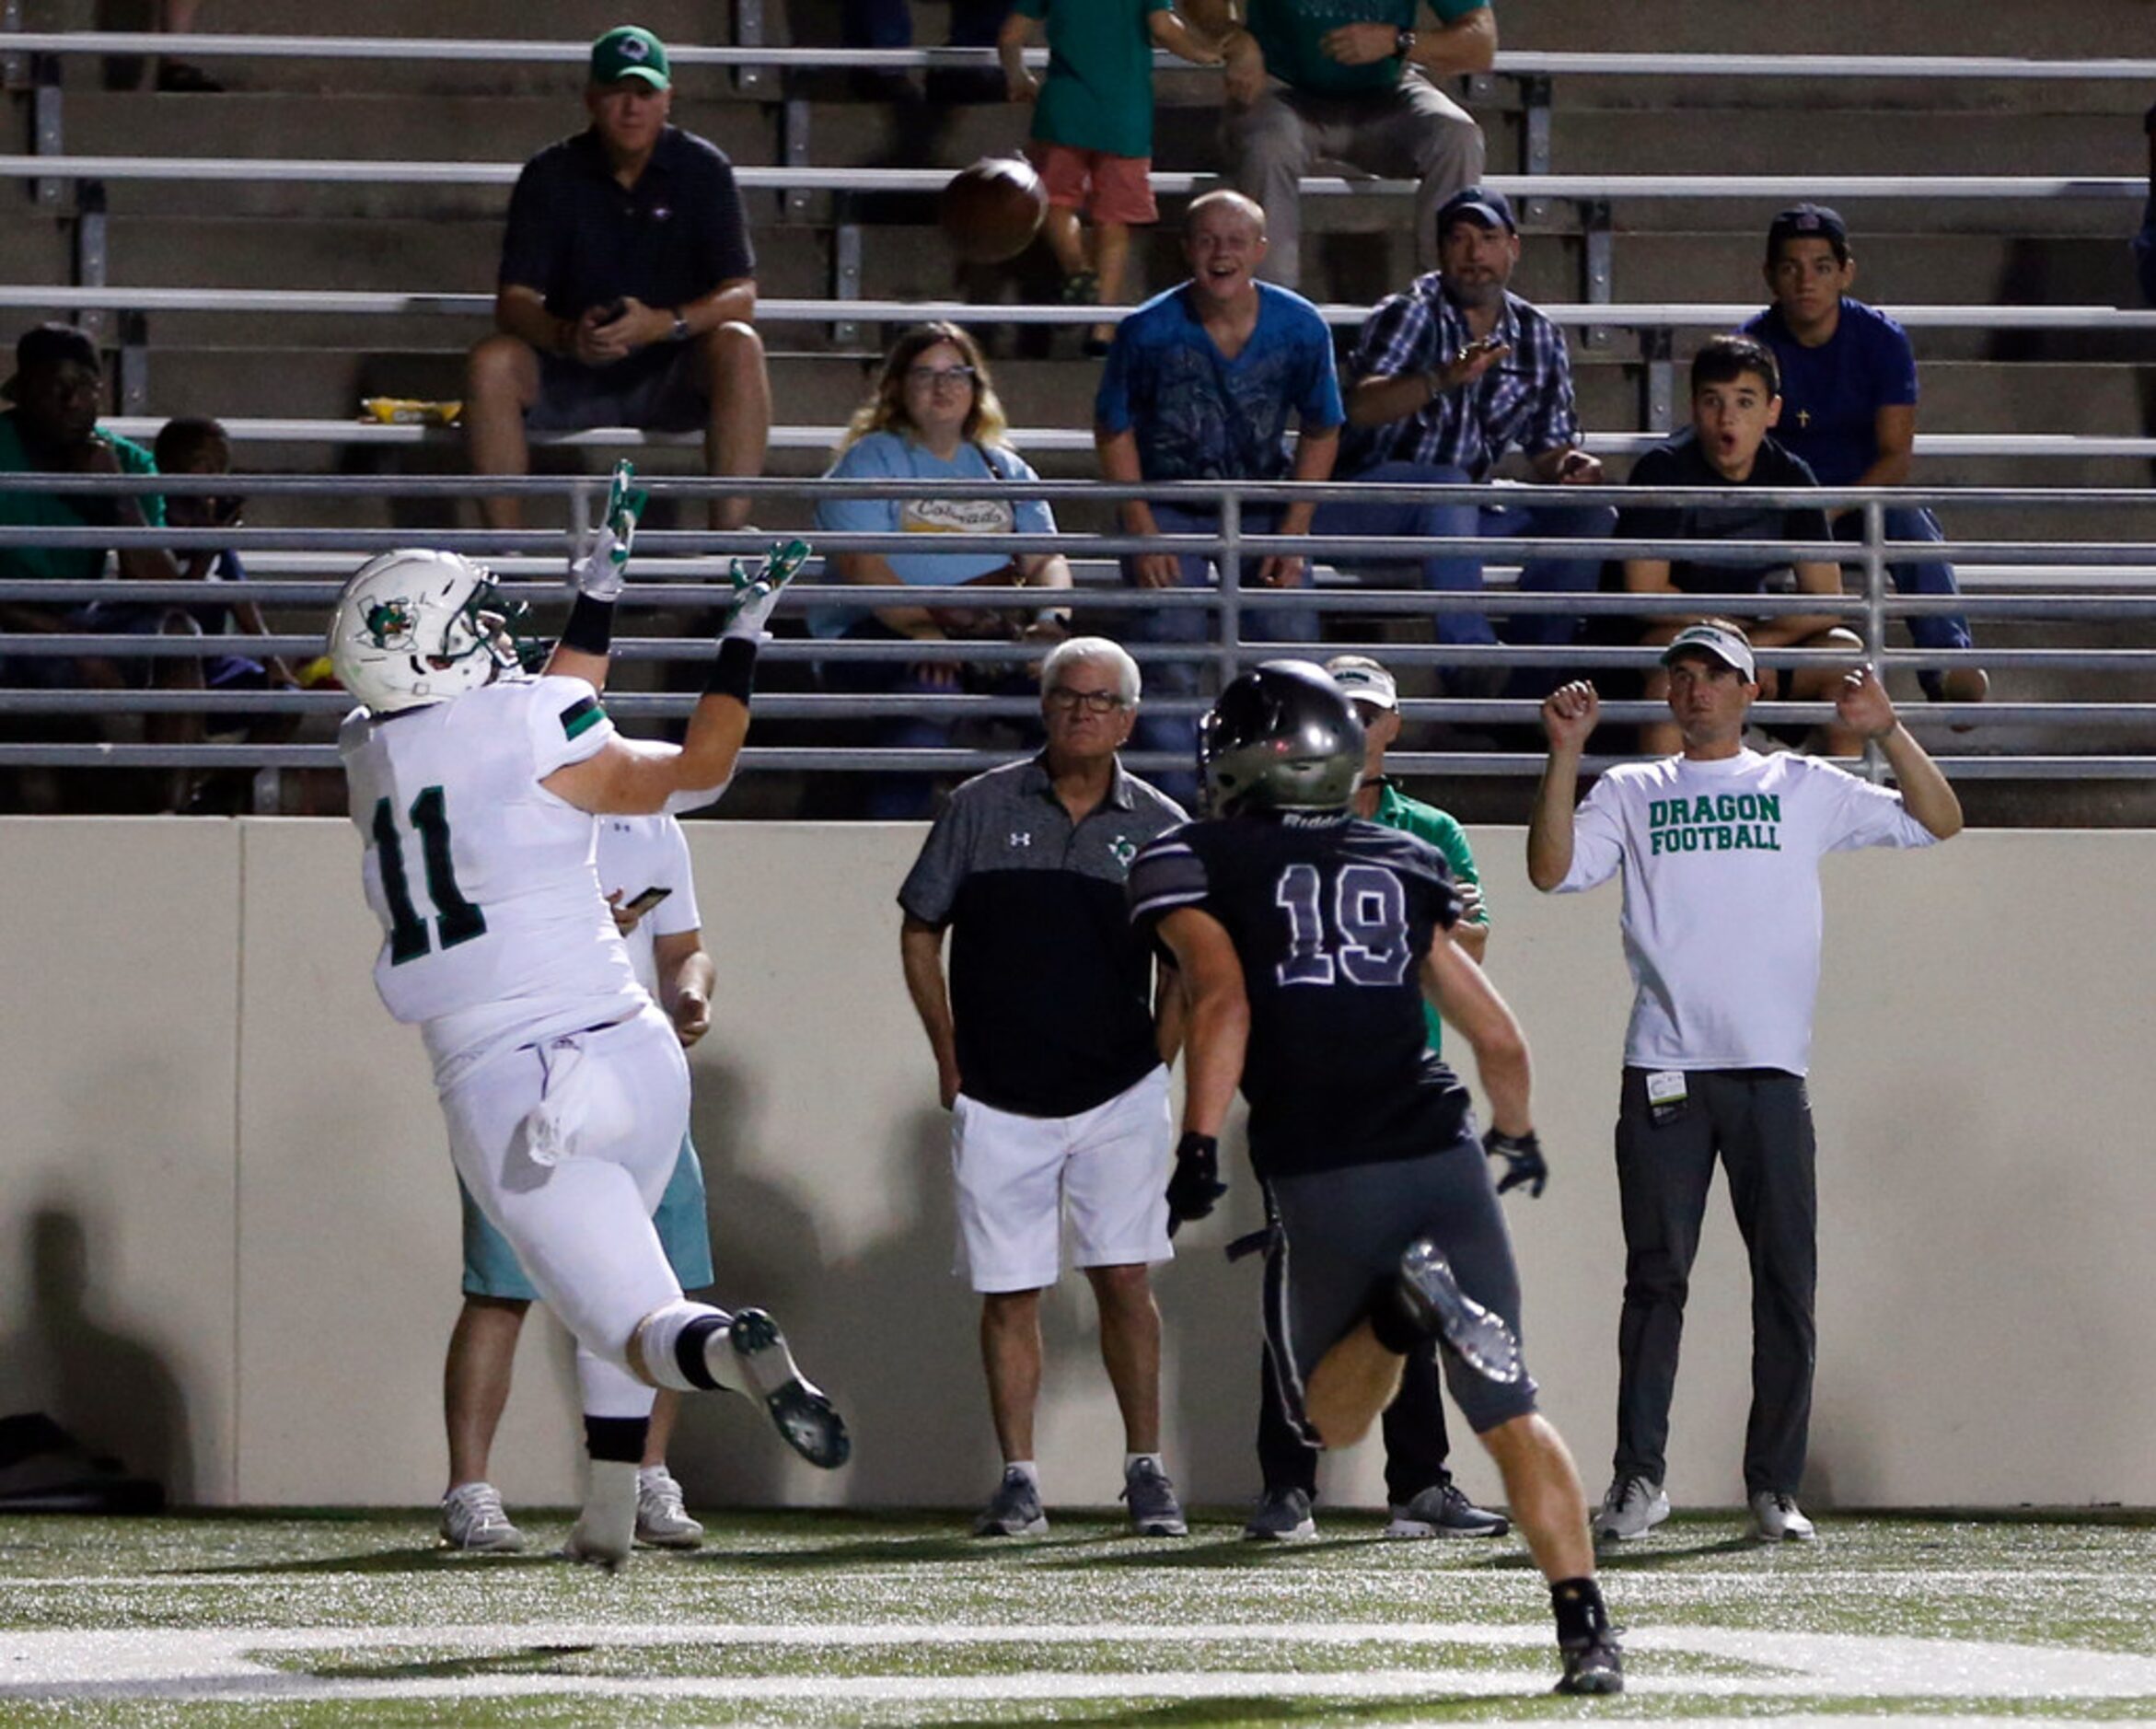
[(390, 623)]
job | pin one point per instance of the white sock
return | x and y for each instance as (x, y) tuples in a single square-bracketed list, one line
[(1026, 1468), (608, 1524), (1131, 1461)]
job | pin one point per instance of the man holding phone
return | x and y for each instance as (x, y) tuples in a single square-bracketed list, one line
[(627, 289), (1446, 378), (644, 870)]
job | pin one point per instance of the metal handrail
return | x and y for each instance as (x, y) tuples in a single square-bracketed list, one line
[(1642, 316), (1510, 62), (1868, 612)]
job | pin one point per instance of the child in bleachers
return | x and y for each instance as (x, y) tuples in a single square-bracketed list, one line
[(1093, 128)]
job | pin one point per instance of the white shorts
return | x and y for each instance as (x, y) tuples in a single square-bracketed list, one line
[(1017, 1175), (567, 1147)]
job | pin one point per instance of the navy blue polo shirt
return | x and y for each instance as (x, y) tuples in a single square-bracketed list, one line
[(581, 239), (1051, 989), (1831, 395)]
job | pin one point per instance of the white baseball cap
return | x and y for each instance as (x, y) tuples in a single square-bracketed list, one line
[(1364, 681), (1726, 643)]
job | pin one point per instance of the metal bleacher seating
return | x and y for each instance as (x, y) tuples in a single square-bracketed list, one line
[(265, 275)]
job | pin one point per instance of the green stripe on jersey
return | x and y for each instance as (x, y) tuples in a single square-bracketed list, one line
[(581, 716)]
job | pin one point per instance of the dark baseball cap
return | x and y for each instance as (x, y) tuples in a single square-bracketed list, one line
[(1491, 209), (49, 345), (1810, 222), (629, 51)]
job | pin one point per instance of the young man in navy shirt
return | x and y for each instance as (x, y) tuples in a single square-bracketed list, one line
[(1849, 391)]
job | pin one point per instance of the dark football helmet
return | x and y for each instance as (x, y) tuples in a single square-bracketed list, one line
[(1281, 738)]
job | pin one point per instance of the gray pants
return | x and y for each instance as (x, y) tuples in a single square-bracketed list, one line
[(1413, 130), (1759, 1122)]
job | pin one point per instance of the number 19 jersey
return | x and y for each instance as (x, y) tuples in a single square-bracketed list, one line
[(493, 929), (1331, 917)]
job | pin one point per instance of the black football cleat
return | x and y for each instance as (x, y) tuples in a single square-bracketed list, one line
[(1593, 1667), (805, 1418), (1439, 1309)]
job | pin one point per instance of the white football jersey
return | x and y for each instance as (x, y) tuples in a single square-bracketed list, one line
[(640, 852), (494, 931)]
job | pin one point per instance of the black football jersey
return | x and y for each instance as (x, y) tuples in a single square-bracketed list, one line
[(1331, 918)]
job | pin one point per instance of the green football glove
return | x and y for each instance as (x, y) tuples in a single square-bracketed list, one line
[(756, 593), (603, 567)]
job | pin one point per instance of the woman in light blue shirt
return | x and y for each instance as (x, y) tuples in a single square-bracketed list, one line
[(933, 416)]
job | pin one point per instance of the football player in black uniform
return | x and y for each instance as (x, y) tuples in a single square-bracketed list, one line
[(1306, 938)]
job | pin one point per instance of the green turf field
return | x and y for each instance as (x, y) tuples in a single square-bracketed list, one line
[(826, 1620)]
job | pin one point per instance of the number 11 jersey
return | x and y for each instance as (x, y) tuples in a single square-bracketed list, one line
[(495, 932), (1331, 917)]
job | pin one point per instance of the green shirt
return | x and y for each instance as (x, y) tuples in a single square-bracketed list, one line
[(1098, 92), (44, 510), (1426, 822), (1291, 33)]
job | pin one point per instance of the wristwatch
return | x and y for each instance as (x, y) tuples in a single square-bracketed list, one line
[(680, 329), (1404, 43)]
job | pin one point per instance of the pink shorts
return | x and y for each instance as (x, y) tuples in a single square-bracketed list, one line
[(1105, 188)]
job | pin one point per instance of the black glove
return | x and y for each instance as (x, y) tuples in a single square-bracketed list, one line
[(1196, 1183), (1523, 1161)]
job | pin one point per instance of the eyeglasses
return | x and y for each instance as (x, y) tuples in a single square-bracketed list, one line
[(933, 376), (1092, 702)]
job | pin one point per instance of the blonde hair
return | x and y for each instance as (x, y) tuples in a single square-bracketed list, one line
[(886, 409)]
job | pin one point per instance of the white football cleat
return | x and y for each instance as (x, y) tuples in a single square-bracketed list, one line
[(809, 1423)]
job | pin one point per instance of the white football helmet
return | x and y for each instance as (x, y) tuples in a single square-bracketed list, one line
[(417, 627)]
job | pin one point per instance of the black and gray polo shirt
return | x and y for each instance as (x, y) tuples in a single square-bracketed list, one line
[(1050, 988)]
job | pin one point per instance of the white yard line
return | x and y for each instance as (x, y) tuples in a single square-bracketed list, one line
[(223, 1663)]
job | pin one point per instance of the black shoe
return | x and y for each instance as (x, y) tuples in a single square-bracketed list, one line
[(1439, 1309), (1597, 1667), (1443, 1511)]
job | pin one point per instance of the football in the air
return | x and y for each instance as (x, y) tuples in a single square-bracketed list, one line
[(992, 210)]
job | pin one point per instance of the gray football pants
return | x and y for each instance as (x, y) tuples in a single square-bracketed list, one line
[(1412, 131), (1759, 1121)]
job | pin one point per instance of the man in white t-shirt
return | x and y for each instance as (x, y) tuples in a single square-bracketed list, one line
[(1720, 849)]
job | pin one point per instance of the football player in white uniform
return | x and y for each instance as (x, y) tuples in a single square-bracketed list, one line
[(565, 1087)]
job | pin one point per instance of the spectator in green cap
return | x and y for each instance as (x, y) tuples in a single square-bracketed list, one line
[(627, 289)]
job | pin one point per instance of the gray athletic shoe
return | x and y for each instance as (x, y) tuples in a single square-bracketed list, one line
[(1282, 1516), (1014, 1510), (472, 1520), (1776, 1518), (1155, 1511), (662, 1518), (1632, 1508), (1443, 1511), (808, 1420), (1434, 1298)]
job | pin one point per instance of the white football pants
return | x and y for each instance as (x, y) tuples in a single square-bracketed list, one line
[(567, 1147)]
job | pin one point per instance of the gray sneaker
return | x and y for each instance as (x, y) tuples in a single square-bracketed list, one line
[(1014, 1510), (1632, 1508), (1282, 1516), (1776, 1518), (662, 1517), (1430, 1293), (1443, 1511), (1155, 1511), (472, 1520)]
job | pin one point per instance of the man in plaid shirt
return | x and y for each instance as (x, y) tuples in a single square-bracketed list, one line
[(1444, 380)]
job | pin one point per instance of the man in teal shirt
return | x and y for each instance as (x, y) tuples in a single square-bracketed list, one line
[(1351, 81), (1418, 1488)]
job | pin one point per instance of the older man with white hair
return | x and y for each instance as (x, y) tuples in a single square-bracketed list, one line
[(1052, 1047)]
